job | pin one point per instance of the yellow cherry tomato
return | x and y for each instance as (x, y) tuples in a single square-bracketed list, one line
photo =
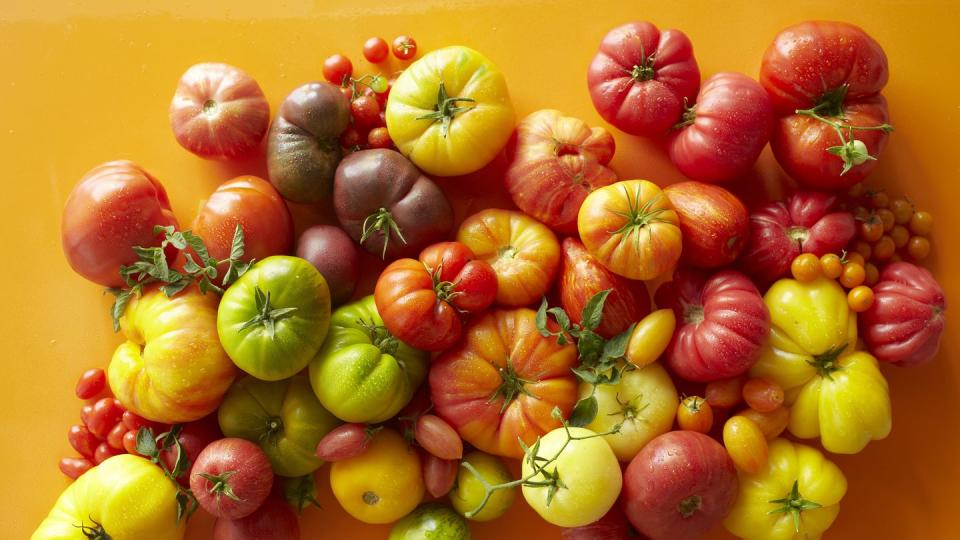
[(921, 223), (695, 414), (860, 298), (918, 247), (884, 248), (853, 275), (902, 211), (745, 443), (805, 267), (770, 423), (830, 266), (467, 493), (650, 337), (900, 236)]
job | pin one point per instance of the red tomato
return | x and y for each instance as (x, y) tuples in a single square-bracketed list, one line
[(105, 414), (341, 271), (439, 475), (714, 224), (115, 437), (365, 111), (721, 136), (404, 47), (113, 208), (344, 442), (807, 222), (612, 526), (273, 520), (130, 443), (763, 395), (906, 320), (582, 276), (502, 381), (437, 437), (91, 383), (194, 437), (722, 323), (836, 70), (219, 112), (337, 69), (681, 484), (379, 137), (133, 422), (74, 467), (231, 478), (104, 452), (84, 442), (555, 162), (640, 77), (255, 205), (725, 393), (375, 50)]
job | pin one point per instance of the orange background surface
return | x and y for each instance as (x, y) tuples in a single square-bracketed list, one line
[(86, 82)]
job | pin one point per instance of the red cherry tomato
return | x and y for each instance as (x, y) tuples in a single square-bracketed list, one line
[(115, 437), (84, 442), (105, 414), (104, 452), (85, 413), (347, 92), (379, 138), (351, 137), (91, 383), (365, 111), (336, 68), (375, 50), (133, 422), (404, 47), (130, 442), (74, 467)]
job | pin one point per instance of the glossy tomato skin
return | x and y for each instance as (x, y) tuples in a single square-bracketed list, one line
[(239, 464), (582, 276), (906, 320), (273, 520), (807, 222), (731, 123), (502, 382), (256, 206), (194, 437), (679, 486), (473, 279), (555, 162), (639, 78), (113, 208), (804, 63), (219, 112), (331, 251), (722, 324), (714, 223), (612, 526)]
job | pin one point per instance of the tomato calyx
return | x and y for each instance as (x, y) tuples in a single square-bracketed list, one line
[(826, 363), (689, 505), (639, 215), (267, 316), (511, 387), (446, 109), (688, 117), (380, 337), (629, 409), (370, 498), (694, 404), (378, 83), (273, 428), (300, 492), (221, 484), (210, 107), (643, 70), (693, 314), (95, 532), (793, 503), (445, 290), (381, 222)]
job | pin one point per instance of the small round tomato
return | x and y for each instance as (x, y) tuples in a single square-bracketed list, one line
[(900, 236), (589, 472), (375, 50), (381, 485), (772, 423), (650, 337), (830, 266), (84, 442), (91, 383), (468, 491), (430, 521), (860, 298), (872, 229), (918, 248), (725, 393), (902, 211), (115, 437), (130, 442), (379, 137), (695, 414), (745, 443), (805, 267), (884, 248), (337, 68), (231, 478), (921, 223), (342, 271), (871, 274), (404, 47), (853, 274), (879, 199), (862, 248), (763, 395), (887, 219), (854, 258), (365, 111)]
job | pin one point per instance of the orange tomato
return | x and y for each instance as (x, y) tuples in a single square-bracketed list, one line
[(770, 423), (860, 298), (725, 393), (745, 443), (900, 236), (830, 266), (879, 199), (884, 248), (918, 247), (902, 211), (921, 223), (632, 228), (871, 229), (523, 252), (871, 273), (695, 414), (763, 395), (853, 275), (805, 267), (887, 219), (863, 249)]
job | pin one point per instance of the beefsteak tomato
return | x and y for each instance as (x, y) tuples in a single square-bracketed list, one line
[(555, 161), (641, 78), (714, 223), (723, 324), (450, 111), (502, 382)]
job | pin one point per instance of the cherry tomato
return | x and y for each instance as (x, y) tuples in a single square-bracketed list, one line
[(365, 111), (853, 275), (74, 467), (855, 258), (105, 414), (378, 84), (862, 248), (762, 395), (856, 191), (437, 437), (379, 138), (771, 424), (351, 137), (830, 266), (745, 443), (130, 442), (871, 274), (375, 50), (84, 442), (884, 248), (921, 223), (879, 199), (115, 437), (404, 47), (337, 68), (918, 247), (85, 413), (133, 422), (725, 393), (872, 229), (902, 211), (886, 218), (695, 414), (91, 383), (104, 452), (347, 92), (860, 298), (900, 236), (805, 267)]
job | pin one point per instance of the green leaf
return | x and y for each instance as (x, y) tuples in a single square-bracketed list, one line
[(562, 319), (171, 289), (198, 247), (300, 492), (177, 240), (616, 348), (586, 375), (123, 297), (541, 319), (584, 412), (186, 504), (593, 312), (146, 445), (836, 150), (237, 246), (590, 346)]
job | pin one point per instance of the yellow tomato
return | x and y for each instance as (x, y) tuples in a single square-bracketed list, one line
[(381, 485), (644, 402), (833, 392), (171, 368), (632, 228), (450, 111), (124, 498), (795, 477), (650, 337), (468, 492)]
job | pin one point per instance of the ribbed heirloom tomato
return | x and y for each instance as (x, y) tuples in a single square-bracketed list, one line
[(502, 382), (714, 223)]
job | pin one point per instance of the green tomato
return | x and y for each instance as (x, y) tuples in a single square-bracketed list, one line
[(467, 492), (362, 373), (283, 417), (431, 521), (590, 476), (274, 318)]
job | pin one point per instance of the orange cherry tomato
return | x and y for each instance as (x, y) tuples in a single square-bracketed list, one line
[(805, 267), (863, 249), (853, 275), (770, 423), (887, 219), (918, 247), (902, 211), (762, 395), (879, 199), (884, 248), (856, 258), (725, 393), (871, 273), (745, 443), (830, 266), (695, 414), (900, 236), (871, 229), (921, 223), (860, 298)]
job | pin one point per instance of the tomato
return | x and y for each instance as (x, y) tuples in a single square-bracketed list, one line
[(343, 442), (437, 437), (130, 443), (388, 206), (771, 423), (253, 204), (921, 223), (91, 383), (84, 442), (105, 414), (303, 147), (650, 337), (333, 253), (612, 526), (640, 78), (193, 438), (430, 521), (468, 492), (422, 302), (745, 443), (724, 393), (631, 228), (906, 320), (115, 437), (438, 474), (231, 478), (806, 267), (762, 395), (884, 248), (555, 161), (73, 468), (283, 417), (807, 222), (853, 275), (695, 414), (830, 266), (644, 402), (679, 486), (582, 276), (918, 248), (714, 223), (450, 111), (363, 373), (589, 471), (502, 381), (796, 495), (123, 497), (872, 229), (113, 208), (274, 520), (381, 485), (720, 137), (85, 412), (820, 73), (337, 69), (723, 324), (219, 112), (523, 252), (860, 298), (365, 111), (379, 137), (375, 50), (404, 47)]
